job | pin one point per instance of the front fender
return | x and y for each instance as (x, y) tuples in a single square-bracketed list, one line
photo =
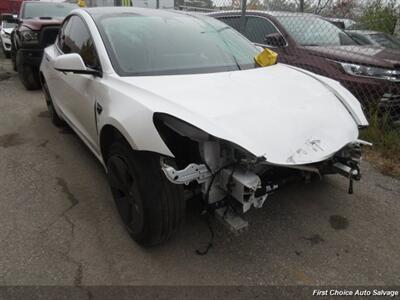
[(138, 129)]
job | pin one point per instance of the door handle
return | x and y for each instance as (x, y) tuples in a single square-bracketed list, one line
[(99, 108)]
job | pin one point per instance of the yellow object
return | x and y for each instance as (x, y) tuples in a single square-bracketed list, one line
[(266, 58), (81, 3), (126, 3)]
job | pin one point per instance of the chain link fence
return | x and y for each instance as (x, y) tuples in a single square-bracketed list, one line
[(356, 42)]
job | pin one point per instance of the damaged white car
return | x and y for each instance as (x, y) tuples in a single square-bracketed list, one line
[(176, 106)]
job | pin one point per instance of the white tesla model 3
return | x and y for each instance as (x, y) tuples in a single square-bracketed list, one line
[(175, 106)]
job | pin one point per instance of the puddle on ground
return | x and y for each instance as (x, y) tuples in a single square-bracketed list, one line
[(44, 114), (314, 239), (5, 76), (338, 222), (10, 140)]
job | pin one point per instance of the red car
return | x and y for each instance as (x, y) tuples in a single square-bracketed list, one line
[(308, 41), (10, 6), (38, 27)]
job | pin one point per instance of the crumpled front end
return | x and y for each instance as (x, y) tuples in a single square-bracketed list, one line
[(230, 179)]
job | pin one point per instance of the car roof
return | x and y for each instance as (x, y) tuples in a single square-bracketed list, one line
[(363, 31), (265, 12), (98, 12), (48, 2)]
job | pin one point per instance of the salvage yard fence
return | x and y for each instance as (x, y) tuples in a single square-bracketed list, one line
[(356, 42)]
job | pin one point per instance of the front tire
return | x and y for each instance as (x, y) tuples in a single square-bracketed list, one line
[(13, 53), (6, 53), (54, 117), (151, 208), (28, 75)]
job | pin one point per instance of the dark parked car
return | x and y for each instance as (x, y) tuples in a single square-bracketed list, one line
[(371, 73), (342, 23), (368, 37), (38, 26)]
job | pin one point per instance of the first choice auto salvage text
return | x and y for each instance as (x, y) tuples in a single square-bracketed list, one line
[(356, 292)]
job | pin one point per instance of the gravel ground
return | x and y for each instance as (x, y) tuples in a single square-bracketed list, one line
[(59, 225)]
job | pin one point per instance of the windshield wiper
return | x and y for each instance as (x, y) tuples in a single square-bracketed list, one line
[(236, 62)]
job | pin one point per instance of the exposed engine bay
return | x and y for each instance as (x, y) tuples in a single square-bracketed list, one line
[(231, 180)]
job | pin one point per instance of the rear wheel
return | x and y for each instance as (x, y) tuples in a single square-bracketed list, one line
[(28, 75), (54, 117), (7, 54), (151, 208), (13, 54)]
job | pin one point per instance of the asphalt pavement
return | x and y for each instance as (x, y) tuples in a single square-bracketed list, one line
[(59, 225)]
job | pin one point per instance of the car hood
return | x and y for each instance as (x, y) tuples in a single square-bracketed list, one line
[(37, 24), (7, 30), (370, 55), (278, 112)]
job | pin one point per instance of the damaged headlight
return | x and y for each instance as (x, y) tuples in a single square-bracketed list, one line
[(178, 126), (374, 72), (28, 35), (5, 34), (183, 139), (224, 169)]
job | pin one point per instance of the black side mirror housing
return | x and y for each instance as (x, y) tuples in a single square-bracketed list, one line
[(9, 18), (14, 20), (275, 40)]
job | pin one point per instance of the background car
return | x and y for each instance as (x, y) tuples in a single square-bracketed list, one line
[(369, 37), (174, 104), (341, 23), (308, 41), (10, 6), (5, 34), (38, 26)]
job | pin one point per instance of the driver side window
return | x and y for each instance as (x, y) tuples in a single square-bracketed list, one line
[(75, 38), (257, 28), (61, 35)]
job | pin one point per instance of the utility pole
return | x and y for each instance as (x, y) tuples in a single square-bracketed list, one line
[(301, 6), (243, 16), (397, 28)]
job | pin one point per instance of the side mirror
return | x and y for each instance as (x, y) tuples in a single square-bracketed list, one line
[(259, 48), (9, 18), (73, 63), (275, 40)]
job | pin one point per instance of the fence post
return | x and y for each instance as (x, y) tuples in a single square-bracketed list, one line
[(397, 28), (243, 16), (301, 6)]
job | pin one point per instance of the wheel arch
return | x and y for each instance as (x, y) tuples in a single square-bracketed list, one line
[(41, 77), (110, 133)]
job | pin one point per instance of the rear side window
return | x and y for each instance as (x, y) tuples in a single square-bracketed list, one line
[(385, 40), (76, 39), (360, 39), (234, 22), (257, 28)]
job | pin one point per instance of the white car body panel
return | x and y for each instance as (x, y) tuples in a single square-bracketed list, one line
[(5, 38), (295, 124), (257, 111)]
